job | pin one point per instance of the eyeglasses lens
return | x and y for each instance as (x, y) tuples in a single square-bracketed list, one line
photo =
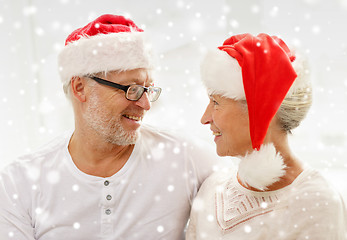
[(135, 92), (153, 94)]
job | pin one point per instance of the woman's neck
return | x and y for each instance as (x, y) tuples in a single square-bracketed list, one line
[(293, 168)]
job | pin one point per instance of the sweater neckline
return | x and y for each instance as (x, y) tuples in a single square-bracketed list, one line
[(299, 179)]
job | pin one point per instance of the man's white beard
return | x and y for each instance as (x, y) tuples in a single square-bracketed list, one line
[(107, 126)]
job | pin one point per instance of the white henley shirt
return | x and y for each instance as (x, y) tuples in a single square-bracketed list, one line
[(44, 196)]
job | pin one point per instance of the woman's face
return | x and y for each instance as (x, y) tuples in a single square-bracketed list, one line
[(229, 123)]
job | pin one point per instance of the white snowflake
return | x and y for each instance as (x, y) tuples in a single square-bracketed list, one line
[(160, 229), (75, 187), (248, 229), (76, 225), (171, 188)]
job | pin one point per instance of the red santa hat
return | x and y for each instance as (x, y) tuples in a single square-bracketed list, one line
[(261, 70), (108, 43)]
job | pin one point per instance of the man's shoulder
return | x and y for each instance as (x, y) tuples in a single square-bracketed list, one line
[(39, 156)]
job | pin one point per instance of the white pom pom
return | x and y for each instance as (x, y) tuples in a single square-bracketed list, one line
[(262, 168)]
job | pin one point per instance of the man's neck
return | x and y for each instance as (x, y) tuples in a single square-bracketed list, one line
[(96, 157)]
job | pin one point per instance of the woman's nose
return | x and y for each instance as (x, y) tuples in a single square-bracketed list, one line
[(206, 117)]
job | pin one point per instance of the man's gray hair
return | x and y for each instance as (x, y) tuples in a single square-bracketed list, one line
[(67, 85)]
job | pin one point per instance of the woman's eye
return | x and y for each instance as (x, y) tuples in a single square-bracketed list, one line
[(213, 101)]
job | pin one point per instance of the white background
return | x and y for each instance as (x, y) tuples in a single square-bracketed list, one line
[(34, 108)]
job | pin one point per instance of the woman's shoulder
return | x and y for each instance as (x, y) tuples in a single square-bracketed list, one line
[(313, 191), (316, 204), (312, 181), (216, 181)]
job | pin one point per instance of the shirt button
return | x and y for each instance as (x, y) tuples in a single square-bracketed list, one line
[(106, 183), (109, 197), (108, 211)]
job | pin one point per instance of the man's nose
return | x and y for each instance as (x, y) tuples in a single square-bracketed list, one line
[(144, 102)]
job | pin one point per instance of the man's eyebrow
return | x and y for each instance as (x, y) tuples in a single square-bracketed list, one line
[(148, 81)]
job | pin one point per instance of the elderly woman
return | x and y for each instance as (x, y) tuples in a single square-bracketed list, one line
[(259, 91)]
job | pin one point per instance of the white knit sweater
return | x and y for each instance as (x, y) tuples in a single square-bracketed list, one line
[(307, 209)]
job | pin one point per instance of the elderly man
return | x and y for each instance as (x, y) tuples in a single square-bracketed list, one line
[(109, 179)]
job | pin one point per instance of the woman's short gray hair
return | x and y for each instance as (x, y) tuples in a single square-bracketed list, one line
[(294, 109), (299, 98)]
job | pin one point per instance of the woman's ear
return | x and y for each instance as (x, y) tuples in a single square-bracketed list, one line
[(78, 88)]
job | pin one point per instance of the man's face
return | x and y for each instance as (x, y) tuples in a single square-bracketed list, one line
[(110, 114)]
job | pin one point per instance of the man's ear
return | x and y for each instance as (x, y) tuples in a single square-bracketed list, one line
[(78, 88)]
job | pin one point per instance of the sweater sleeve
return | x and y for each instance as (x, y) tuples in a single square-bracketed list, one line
[(15, 221)]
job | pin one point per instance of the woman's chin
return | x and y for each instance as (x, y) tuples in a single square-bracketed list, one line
[(221, 153), (228, 152)]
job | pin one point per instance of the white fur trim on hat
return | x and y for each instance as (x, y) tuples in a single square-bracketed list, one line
[(104, 52), (221, 74), (262, 168)]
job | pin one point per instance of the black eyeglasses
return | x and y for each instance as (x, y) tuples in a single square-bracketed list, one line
[(132, 92)]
